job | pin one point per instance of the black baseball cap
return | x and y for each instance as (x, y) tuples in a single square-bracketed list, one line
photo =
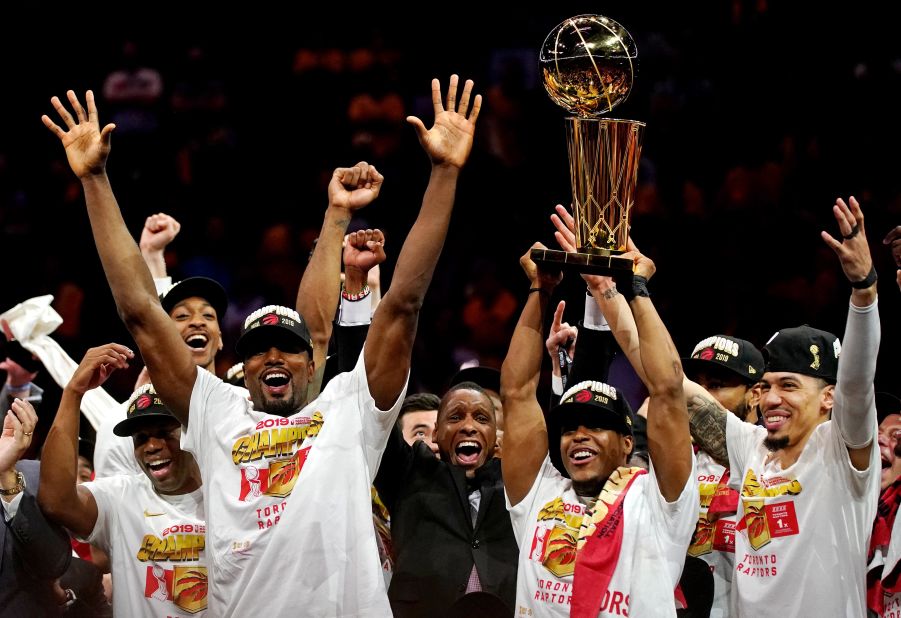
[(280, 323), (202, 287), (805, 350), (486, 377), (589, 403), (144, 404), (738, 356)]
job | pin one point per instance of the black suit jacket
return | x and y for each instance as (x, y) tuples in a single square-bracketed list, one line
[(435, 543), (33, 553)]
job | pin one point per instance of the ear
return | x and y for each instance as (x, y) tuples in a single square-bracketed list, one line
[(628, 445), (827, 399), (435, 432), (311, 370), (221, 344)]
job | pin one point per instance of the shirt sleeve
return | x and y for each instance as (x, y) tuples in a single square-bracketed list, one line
[(741, 438), (10, 508), (376, 424), (108, 494)]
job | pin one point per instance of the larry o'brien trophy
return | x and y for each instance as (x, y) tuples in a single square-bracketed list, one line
[(588, 64)]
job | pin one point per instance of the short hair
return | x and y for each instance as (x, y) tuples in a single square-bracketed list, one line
[(469, 386), (419, 402)]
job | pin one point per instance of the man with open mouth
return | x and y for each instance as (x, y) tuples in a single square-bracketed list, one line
[(311, 552), (450, 530), (151, 525), (597, 538)]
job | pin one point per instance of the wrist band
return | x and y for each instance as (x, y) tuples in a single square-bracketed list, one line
[(540, 291), (355, 297), (19, 389), (639, 287), (867, 281)]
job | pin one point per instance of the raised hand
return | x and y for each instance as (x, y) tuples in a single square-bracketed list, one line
[(566, 237), (853, 251), (159, 230), (87, 145), (449, 141), (364, 249), (97, 365), (893, 240), (18, 426), (354, 187), (561, 335)]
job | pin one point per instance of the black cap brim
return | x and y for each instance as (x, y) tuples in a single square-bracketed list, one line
[(275, 332), (132, 424), (201, 287)]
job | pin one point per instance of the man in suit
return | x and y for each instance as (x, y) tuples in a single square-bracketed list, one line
[(33, 553), (449, 524)]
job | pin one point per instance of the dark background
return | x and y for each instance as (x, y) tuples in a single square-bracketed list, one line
[(759, 114)]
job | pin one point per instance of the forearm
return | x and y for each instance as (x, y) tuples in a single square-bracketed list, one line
[(420, 252), (622, 324), (662, 370), (707, 422), (522, 366), (854, 409), (156, 262), (126, 272), (59, 461), (317, 296)]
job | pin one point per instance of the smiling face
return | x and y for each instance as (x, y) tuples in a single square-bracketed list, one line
[(158, 453), (277, 371), (889, 442), (591, 454), (467, 430), (792, 406), (198, 326)]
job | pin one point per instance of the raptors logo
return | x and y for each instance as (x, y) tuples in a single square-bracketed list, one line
[(583, 396), (143, 402), (706, 354), (269, 320)]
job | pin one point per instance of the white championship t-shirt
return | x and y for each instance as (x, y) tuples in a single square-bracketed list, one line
[(156, 547), (288, 500), (714, 542), (656, 535), (801, 534)]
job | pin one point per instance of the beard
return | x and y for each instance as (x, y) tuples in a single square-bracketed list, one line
[(589, 489), (775, 444), (280, 407)]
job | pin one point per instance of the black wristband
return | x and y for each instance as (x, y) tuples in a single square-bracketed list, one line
[(639, 287), (539, 290), (867, 281)]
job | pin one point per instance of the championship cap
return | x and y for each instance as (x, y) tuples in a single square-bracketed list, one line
[(736, 355), (202, 287), (805, 350), (275, 321), (592, 404), (144, 404)]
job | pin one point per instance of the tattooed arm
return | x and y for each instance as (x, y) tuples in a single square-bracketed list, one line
[(707, 422)]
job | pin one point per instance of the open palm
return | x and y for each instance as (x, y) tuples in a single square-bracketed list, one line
[(449, 141), (87, 146)]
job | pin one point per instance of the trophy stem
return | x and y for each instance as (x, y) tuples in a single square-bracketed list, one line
[(603, 163)]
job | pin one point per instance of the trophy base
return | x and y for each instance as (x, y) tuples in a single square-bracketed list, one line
[(607, 264)]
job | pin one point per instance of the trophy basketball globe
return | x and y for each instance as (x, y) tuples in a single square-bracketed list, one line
[(588, 63)]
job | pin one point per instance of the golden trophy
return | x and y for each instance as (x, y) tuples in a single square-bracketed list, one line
[(588, 63)]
